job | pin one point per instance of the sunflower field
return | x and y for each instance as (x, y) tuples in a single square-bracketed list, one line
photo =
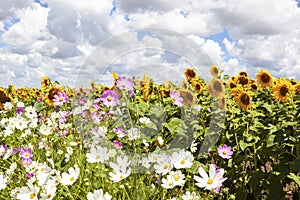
[(229, 138)]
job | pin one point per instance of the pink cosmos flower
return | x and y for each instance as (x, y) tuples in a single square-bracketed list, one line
[(225, 151), (176, 98), (110, 98), (26, 153), (60, 99), (117, 144), (124, 83)]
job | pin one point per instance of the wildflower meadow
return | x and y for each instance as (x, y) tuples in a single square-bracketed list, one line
[(230, 138)]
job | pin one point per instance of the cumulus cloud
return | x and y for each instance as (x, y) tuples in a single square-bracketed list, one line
[(59, 39)]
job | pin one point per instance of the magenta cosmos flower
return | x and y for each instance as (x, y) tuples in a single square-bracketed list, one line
[(60, 99), (124, 83), (110, 98), (176, 98), (225, 151), (26, 153)]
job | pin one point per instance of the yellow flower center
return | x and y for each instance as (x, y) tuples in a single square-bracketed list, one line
[(166, 166), (224, 152), (210, 181), (72, 178), (121, 176), (182, 162), (98, 157), (109, 98), (32, 195), (176, 178), (61, 99)]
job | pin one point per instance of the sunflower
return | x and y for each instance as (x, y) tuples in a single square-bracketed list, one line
[(222, 102), (243, 80), (50, 94), (297, 86), (4, 97), (242, 98), (264, 78), (146, 91), (215, 88), (243, 73), (164, 92), (190, 74), (214, 71), (231, 84), (197, 86), (187, 96), (282, 90), (45, 82), (253, 87)]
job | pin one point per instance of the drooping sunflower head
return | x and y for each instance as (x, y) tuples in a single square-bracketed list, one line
[(231, 84), (4, 97), (215, 88), (222, 102), (243, 99), (243, 73), (283, 90), (243, 80), (45, 83), (215, 71), (197, 86), (264, 78), (187, 96), (190, 74)]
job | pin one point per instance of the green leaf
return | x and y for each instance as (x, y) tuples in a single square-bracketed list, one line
[(174, 124)]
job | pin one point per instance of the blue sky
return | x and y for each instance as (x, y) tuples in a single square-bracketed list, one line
[(54, 38)]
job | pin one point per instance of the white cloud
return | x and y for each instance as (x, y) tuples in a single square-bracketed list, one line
[(55, 41)]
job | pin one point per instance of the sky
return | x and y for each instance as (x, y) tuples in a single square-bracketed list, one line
[(75, 41)]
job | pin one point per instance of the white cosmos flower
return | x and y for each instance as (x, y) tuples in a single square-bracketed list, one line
[(190, 196), (45, 130), (117, 176), (71, 177), (29, 192), (133, 134), (163, 165), (97, 154), (3, 182), (211, 181), (177, 177), (121, 165), (144, 120), (50, 193), (30, 112), (194, 146), (182, 159), (98, 195), (167, 183), (7, 106)]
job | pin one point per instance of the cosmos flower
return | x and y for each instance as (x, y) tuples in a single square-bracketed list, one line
[(119, 132), (98, 194), (110, 98), (225, 151), (60, 99), (26, 153), (124, 83), (71, 177), (176, 98), (212, 180)]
